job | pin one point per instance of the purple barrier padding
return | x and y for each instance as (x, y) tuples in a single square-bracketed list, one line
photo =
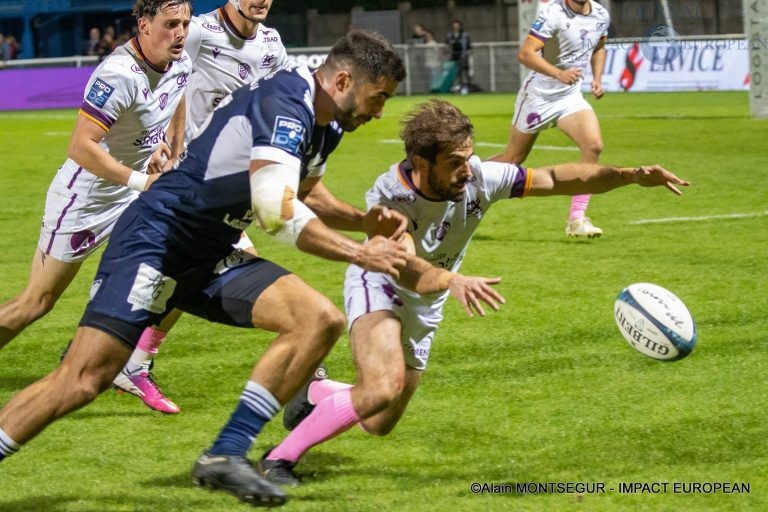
[(40, 88)]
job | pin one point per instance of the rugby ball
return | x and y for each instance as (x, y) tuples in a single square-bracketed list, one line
[(655, 322)]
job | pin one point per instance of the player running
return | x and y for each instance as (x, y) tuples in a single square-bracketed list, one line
[(228, 47), (567, 36), (446, 191), (171, 249), (128, 104)]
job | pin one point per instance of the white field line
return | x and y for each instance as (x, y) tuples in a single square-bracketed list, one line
[(702, 218), (496, 145), (57, 134)]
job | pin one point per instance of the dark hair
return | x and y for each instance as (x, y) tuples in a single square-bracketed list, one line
[(432, 127), (150, 8), (368, 53)]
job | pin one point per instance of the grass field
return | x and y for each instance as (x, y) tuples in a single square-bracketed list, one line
[(546, 390)]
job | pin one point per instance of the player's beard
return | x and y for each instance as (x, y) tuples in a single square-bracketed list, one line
[(443, 192), (346, 115)]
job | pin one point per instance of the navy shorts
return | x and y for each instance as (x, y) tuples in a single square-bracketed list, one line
[(141, 279)]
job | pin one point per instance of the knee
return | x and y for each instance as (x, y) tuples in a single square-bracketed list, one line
[(379, 426), (381, 394), (327, 321), (34, 306), (593, 149), (81, 388)]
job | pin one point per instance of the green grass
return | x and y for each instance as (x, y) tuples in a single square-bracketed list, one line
[(544, 391)]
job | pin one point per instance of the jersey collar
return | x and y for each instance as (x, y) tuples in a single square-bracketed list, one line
[(231, 26)]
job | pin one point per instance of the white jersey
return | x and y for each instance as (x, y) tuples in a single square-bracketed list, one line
[(441, 232), (569, 41), (223, 60), (134, 103)]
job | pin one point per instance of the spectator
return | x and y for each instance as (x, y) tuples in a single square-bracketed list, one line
[(460, 47), (11, 48), (431, 54), (2, 49), (106, 44), (94, 36)]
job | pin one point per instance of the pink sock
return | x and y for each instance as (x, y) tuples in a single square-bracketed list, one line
[(579, 206), (319, 390), (150, 340), (330, 418)]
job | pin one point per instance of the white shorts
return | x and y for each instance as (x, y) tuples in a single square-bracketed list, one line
[(534, 113), (74, 226), (366, 292)]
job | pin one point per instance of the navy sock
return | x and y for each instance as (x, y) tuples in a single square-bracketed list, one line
[(256, 407)]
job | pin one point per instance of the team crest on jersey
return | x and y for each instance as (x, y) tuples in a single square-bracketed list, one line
[(99, 93), (213, 27), (243, 70), (287, 134), (442, 230), (163, 100)]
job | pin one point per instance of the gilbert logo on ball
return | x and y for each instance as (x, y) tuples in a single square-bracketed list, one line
[(655, 322)]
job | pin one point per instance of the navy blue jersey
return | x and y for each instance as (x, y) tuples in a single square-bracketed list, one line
[(205, 203)]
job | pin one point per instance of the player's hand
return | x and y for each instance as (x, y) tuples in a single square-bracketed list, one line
[(597, 89), (569, 76), (386, 222), (656, 175), (381, 254), (159, 158), (170, 164), (151, 178), (470, 291)]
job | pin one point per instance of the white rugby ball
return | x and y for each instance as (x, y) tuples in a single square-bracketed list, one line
[(655, 322)]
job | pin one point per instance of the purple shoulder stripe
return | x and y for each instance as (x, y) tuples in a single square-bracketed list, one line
[(97, 114)]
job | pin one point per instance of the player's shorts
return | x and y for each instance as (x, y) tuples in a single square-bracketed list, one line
[(366, 292), (74, 225), (142, 278), (534, 113)]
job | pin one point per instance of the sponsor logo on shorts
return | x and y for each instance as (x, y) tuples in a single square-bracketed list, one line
[(82, 241), (533, 119), (94, 289), (151, 290), (99, 93), (287, 134)]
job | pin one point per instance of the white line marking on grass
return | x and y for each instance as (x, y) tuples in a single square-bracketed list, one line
[(57, 134), (495, 145), (704, 217)]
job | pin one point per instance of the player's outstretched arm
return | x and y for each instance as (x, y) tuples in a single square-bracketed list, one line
[(572, 179), (471, 291)]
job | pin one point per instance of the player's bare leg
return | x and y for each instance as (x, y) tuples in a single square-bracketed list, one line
[(91, 363), (307, 324), (518, 148), (48, 278), (377, 400), (584, 129)]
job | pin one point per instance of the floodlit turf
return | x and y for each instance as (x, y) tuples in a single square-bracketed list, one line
[(544, 391)]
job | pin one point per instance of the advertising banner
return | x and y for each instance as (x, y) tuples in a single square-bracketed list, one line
[(666, 63), (43, 88)]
